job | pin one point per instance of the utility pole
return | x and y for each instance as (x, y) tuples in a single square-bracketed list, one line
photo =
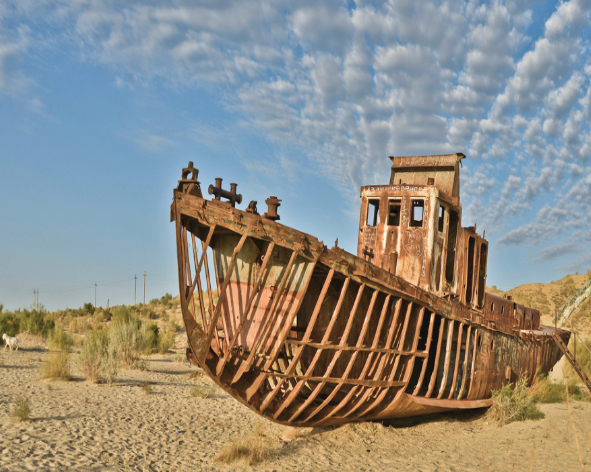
[(95, 294), (134, 288), (34, 299), (144, 287)]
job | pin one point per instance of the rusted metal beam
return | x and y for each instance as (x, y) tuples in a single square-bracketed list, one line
[(345, 376), (280, 343), (465, 367), (458, 352), (244, 316), (296, 390), (450, 335), (426, 352), (222, 292), (335, 357), (199, 288), (296, 357), (269, 319), (367, 364), (382, 363), (437, 356)]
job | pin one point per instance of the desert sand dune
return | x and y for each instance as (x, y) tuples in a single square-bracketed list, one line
[(80, 426)]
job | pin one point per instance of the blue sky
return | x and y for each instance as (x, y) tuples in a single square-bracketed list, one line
[(103, 102)]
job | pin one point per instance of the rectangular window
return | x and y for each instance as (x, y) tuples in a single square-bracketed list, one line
[(373, 212), (441, 219), (394, 213), (416, 218), (452, 233)]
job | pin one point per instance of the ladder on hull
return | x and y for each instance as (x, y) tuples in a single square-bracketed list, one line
[(573, 361)]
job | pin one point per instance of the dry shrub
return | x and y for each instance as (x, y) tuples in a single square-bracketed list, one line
[(147, 389), (128, 339), (253, 448), (98, 358), (59, 340), (21, 409), (202, 391), (166, 342), (514, 404), (56, 366), (544, 390)]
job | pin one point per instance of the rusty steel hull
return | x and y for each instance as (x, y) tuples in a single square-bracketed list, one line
[(310, 336)]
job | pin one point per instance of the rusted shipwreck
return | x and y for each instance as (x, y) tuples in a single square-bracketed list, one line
[(306, 335)]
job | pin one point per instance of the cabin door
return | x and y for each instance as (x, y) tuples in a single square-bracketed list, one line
[(438, 247)]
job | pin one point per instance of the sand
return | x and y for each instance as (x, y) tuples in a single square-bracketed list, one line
[(80, 426)]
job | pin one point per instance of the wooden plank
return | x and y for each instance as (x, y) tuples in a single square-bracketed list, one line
[(335, 357), (345, 376), (458, 352), (294, 393), (437, 357), (296, 357), (244, 316), (426, 352), (450, 335), (465, 367), (222, 292), (269, 319)]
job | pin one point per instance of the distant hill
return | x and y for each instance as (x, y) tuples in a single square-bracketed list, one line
[(548, 297)]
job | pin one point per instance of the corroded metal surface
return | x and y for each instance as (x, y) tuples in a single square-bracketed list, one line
[(307, 335)]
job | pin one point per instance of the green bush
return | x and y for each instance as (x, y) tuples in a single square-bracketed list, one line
[(21, 409), (56, 366), (166, 342), (35, 322), (98, 359), (128, 339), (152, 338), (59, 340), (88, 308), (514, 404), (9, 324)]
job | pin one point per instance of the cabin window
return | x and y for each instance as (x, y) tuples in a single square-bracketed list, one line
[(451, 246), (416, 218), (441, 219), (482, 273), (373, 212), (470, 276), (394, 213)]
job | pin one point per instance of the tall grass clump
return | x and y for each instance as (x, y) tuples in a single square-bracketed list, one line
[(9, 324), (128, 338), (583, 355), (57, 362), (254, 448), (21, 409), (98, 358), (35, 322), (514, 404)]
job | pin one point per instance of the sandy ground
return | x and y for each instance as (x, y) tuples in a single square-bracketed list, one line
[(84, 427)]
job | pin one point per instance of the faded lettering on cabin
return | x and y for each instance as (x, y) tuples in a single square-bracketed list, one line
[(405, 211), (396, 188), (422, 161), (412, 242), (369, 236)]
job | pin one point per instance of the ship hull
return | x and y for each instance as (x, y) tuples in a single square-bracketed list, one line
[(310, 336)]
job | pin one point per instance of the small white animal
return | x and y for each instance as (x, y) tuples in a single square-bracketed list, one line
[(10, 341)]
